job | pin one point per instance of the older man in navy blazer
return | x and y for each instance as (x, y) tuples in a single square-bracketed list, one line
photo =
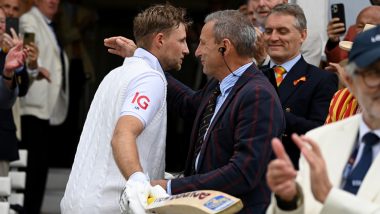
[(233, 153), (305, 91)]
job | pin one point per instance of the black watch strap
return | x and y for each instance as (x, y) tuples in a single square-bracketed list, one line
[(7, 78), (287, 205)]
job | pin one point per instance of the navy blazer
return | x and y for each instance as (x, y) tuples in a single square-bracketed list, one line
[(305, 95), (237, 148)]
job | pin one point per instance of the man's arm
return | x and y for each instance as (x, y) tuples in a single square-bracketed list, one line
[(183, 99), (120, 46), (7, 95), (281, 176), (340, 201), (124, 147), (334, 31)]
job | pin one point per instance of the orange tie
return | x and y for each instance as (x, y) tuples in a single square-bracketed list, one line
[(279, 73)]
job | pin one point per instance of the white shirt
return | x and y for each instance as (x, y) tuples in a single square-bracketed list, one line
[(364, 129), (146, 92)]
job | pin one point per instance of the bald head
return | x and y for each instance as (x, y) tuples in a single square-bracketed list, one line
[(369, 15)]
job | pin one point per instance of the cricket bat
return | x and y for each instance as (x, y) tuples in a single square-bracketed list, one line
[(196, 202)]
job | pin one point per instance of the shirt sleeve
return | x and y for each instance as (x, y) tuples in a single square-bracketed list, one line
[(145, 96), (7, 96)]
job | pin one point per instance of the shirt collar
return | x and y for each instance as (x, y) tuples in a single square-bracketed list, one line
[(231, 79), (289, 64), (364, 129), (149, 58)]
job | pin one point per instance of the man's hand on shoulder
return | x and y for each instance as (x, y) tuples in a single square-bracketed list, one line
[(120, 46)]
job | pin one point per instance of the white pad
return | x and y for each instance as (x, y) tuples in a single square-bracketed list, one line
[(5, 186), (22, 162), (4, 207), (18, 179), (16, 198)]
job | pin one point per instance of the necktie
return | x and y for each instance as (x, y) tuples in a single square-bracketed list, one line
[(205, 122), (356, 177), (279, 73)]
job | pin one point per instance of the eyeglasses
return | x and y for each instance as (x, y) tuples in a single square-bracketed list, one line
[(371, 78)]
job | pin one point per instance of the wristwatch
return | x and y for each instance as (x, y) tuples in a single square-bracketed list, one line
[(289, 205), (7, 78)]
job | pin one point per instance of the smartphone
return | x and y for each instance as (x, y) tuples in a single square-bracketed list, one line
[(11, 23), (337, 10), (28, 38)]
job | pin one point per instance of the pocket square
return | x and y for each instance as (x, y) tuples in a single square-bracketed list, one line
[(301, 79)]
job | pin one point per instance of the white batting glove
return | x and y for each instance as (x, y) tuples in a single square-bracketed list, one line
[(133, 199)]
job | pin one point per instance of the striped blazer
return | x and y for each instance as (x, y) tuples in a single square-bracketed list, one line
[(342, 105), (237, 147)]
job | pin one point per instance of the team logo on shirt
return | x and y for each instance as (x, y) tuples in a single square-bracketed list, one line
[(142, 100)]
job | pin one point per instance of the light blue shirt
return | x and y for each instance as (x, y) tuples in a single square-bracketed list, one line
[(287, 65), (225, 88)]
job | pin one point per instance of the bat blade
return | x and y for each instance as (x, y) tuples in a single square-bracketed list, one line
[(197, 202)]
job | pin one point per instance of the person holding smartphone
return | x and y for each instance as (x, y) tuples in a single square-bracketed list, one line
[(8, 87), (335, 29)]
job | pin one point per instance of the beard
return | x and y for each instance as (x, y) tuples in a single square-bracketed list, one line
[(171, 65)]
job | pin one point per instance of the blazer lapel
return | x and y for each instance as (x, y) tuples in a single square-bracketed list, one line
[(248, 74), (287, 86), (195, 130), (45, 27)]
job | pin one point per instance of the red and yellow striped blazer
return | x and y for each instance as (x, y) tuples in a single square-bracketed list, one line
[(342, 105)]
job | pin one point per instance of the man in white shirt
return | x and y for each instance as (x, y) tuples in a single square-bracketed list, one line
[(124, 134), (339, 169)]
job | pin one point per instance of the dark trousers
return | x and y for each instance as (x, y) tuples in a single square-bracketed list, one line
[(35, 139)]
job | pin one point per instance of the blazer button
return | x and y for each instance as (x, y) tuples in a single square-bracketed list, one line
[(287, 109)]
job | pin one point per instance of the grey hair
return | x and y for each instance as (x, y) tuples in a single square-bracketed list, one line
[(351, 68), (233, 25), (292, 10)]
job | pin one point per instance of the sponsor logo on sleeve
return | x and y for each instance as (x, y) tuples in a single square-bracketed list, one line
[(142, 101)]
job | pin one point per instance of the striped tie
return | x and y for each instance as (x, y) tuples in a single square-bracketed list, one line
[(357, 175), (279, 73), (205, 122)]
